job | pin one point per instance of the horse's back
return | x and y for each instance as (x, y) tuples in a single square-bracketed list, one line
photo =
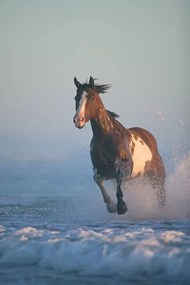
[(146, 137)]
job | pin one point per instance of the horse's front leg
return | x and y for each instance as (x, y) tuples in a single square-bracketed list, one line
[(111, 206), (121, 205), (123, 170)]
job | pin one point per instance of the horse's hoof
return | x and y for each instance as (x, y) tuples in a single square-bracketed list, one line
[(111, 207), (121, 208)]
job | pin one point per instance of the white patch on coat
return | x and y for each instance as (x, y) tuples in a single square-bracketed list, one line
[(141, 155), (82, 104)]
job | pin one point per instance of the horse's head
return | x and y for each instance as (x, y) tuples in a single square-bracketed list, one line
[(87, 101)]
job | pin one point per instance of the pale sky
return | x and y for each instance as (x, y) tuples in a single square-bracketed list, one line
[(141, 47)]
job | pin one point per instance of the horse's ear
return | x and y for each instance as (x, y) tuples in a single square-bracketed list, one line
[(77, 83), (91, 81)]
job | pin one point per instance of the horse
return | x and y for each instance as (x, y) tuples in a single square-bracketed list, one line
[(117, 153)]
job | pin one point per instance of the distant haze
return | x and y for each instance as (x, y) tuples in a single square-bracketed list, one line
[(140, 47)]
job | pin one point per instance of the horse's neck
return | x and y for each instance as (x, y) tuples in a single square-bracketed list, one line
[(102, 124)]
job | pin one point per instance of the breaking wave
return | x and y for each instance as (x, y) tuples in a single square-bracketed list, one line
[(131, 253)]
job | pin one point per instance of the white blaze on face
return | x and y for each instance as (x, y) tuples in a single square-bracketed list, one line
[(140, 156), (79, 118)]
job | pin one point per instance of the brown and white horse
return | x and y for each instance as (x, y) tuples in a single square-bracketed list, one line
[(116, 152)]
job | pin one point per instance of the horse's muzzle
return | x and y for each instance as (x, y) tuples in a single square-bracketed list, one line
[(79, 122)]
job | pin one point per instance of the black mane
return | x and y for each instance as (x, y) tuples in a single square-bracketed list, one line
[(112, 114), (100, 88)]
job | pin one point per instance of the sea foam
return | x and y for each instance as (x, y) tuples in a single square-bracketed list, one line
[(125, 253)]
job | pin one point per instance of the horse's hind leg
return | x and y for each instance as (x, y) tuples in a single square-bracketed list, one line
[(156, 175), (157, 182), (111, 206), (160, 194)]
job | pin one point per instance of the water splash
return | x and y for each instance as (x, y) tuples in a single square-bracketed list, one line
[(142, 201)]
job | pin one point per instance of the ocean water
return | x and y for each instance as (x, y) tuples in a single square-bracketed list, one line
[(54, 229)]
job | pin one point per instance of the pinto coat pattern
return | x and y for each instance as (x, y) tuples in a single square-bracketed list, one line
[(116, 152)]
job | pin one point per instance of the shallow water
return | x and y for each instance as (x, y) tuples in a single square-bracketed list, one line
[(71, 239)]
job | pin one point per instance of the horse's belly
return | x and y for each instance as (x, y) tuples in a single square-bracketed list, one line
[(141, 154)]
